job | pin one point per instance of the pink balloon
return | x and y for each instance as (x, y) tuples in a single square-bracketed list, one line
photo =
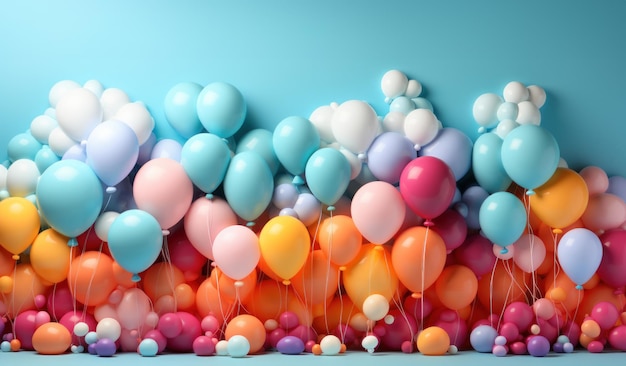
[(427, 185), (133, 308), (184, 255), (236, 251), (604, 211), (529, 253), (24, 327), (60, 300), (163, 189), (378, 211), (204, 220), (404, 328), (520, 314), (129, 340), (596, 179), (452, 228), (617, 338), (71, 318), (191, 329), (476, 253), (612, 270), (544, 308), (605, 314), (456, 327)]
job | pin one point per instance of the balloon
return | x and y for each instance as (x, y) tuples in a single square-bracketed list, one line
[(90, 278), (51, 339), (50, 256), (26, 285), (133, 309), (427, 185), (23, 146), (260, 141), (78, 112), (285, 195), (617, 186), (471, 201), (167, 148), (204, 220), (339, 239), (452, 228), (528, 113), (502, 218), (184, 255), (180, 111), (456, 287), (221, 109), (163, 189), (402, 104), (454, 148), (530, 155), (485, 110), (504, 285), (421, 127), (355, 125), (45, 157), (476, 253), (59, 141), (388, 155), (295, 139), (418, 256), (21, 178), (69, 196), (112, 151), (236, 251), (561, 200), (307, 208), (112, 99), (612, 269), (529, 253), (285, 245), (596, 179), (249, 327), (135, 240), (579, 253), (59, 90), (375, 307), (487, 163), (393, 84), (205, 158), (378, 211), (604, 211), (19, 225), (433, 341), (321, 118), (248, 185), (317, 280), (327, 175)]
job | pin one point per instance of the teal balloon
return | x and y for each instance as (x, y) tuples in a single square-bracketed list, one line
[(135, 240), (205, 158), (502, 218), (23, 146), (45, 157), (295, 139), (69, 197), (530, 155), (487, 163), (248, 185), (260, 141), (180, 108), (221, 109), (328, 175)]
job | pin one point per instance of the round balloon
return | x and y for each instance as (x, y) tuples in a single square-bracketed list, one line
[(327, 175), (579, 253), (388, 154), (205, 153), (112, 151), (259, 140), (355, 125), (487, 163), (19, 225), (295, 139), (454, 148), (502, 218), (285, 245), (221, 109), (236, 251), (180, 108), (378, 211)]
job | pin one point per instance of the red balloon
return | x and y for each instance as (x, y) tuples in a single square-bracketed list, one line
[(427, 185), (612, 270)]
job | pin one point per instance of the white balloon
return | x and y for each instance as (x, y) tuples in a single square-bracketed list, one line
[(112, 99), (563, 163), (103, 223), (537, 95), (22, 177), (394, 122), (58, 91), (322, 120), (138, 118), (3, 178), (59, 141), (421, 127), (504, 127), (355, 125), (355, 163), (507, 110), (51, 112), (375, 307), (221, 348), (78, 113), (528, 114), (515, 92), (413, 89), (94, 86), (393, 84), (41, 126), (330, 345), (109, 328), (485, 109), (369, 342)]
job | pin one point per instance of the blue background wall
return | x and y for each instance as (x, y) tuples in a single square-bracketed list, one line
[(290, 57)]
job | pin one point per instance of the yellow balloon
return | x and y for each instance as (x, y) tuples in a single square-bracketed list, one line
[(19, 224), (50, 256), (285, 245)]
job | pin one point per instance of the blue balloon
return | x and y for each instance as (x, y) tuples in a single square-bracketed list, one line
[(295, 139), (135, 240), (482, 338), (580, 253), (530, 155), (45, 157), (248, 185), (388, 154), (148, 347), (328, 175), (180, 108), (260, 141), (23, 146), (308, 209), (401, 104), (112, 151), (205, 158), (221, 109), (454, 148), (502, 218), (75, 152), (167, 148), (69, 197), (423, 103), (487, 163)]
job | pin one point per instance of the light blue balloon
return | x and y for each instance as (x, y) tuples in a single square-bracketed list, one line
[(75, 152), (180, 108), (328, 175), (580, 253), (69, 197), (45, 157), (530, 155), (205, 158), (422, 103), (401, 104), (260, 141), (502, 218), (487, 163), (248, 185), (295, 139), (221, 109), (135, 240), (148, 347), (454, 148), (482, 338), (112, 151), (23, 146)]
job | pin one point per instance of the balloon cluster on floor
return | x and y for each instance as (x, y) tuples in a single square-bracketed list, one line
[(346, 230)]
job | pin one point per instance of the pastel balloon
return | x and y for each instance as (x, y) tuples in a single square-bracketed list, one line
[(433, 341), (180, 110), (167, 148), (487, 163), (19, 225), (612, 269), (402, 104), (260, 141), (295, 139), (375, 307), (249, 328), (307, 209), (50, 256), (45, 157), (456, 286), (617, 186), (596, 179), (355, 125), (22, 177), (205, 158), (138, 118), (378, 211), (476, 253), (78, 112), (528, 113), (421, 126), (579, 253), (452, 228), (285, 245), (454, 148), (51, 339), (604, 211), (112, 151), (485, 110), (340, 239), (529, 253), (327, 174), (91, 278), (317, 280), (22, 146), (60, 89), (393, 84), (471, 201), (221, 109), (236, 251), (133, 308), (321, 118), (502, 218), (59, 141), (204, 220), (112, 99), (388, 155)]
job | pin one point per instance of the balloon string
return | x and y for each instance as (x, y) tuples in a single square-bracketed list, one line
[(493, 274), (170, 266), (423, 276), (575, 312), (91, 279), (328, 266)]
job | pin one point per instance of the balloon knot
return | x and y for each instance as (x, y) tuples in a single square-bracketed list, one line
[(165, 232), (250, 223), (417, 147), (530, 192), (238, 283), (136, 277), (297, 180), (111, 190), (379, 248), (72, 242), (429, 223), (579, 287), (16, 257), (209, 196), (557, 231), (286, 282), (331, 208), (342, 268), (504, 251), (416, 295), (482, 129), (362, 157)]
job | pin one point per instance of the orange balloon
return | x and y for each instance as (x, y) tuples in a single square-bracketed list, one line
[(340, 239), (185, 297), (371, 272), (122, 276), (161, 279), (318, 279), (418, 256), (235, 290), (562, 292), (508, 283), (210, 302), (456, 287), (433, 341), (590, 297), (19, 225), (338, 311), (7, 263), (51, 339), (285, 245), (25, 286), (271, 298), (91, 278), (50, 256), (561, 200), (250, 327)]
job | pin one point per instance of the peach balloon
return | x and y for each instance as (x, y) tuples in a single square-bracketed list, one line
[(506, 284), (204, 220), (456, 287), (209, 301), (433, 341), (91, 278), (317, 281), (239, 290), (19, 225), (25, 286), (250, 327), (51, 339), (604, 211), (161, 279), (340, 239), (271, 298), (596, 179)]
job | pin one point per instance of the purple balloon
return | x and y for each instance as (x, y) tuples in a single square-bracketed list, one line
[(75, 152), (617, 186), (105, 347), (285, 195), (388, 154), (167, 148), (290, 345), (538, 346), (473, 198), (112, 151), (454, 148)]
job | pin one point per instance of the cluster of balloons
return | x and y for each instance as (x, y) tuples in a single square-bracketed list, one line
[(342, 231)]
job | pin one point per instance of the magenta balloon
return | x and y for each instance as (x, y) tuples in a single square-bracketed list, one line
[(452, 228), (404, 328), (378, 211), (612, 270), (476, 253)]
